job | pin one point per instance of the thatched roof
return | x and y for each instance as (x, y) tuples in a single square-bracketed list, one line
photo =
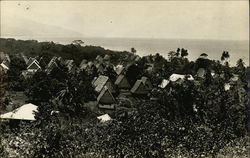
[(25, 112), (119, 69), (164, 83), (122, 82), (106, 97), (138, 88), (104, 118), (147, 83), (175, 77), (100, 82), (34, 65)]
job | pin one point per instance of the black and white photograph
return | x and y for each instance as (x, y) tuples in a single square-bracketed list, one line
[(124, 79)]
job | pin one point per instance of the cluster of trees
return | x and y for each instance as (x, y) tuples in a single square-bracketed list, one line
[(190, 118), (73, 51), (166, 128)]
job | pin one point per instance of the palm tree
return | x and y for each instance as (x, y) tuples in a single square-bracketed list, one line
[(184, 52), (225, 56), (133, 50)]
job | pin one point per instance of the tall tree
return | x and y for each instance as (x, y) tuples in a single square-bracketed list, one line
[(133, 50), (225, 56), (184, 52)]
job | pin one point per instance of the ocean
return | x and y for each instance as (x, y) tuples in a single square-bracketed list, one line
[(214, 48)]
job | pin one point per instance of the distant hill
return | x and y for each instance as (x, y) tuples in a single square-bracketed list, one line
[(31, 29), (76, 52)]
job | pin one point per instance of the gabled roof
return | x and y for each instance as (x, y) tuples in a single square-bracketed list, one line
[(122, 82), (34, 65), (52, 61), (30, 60), (144, 79), (138, 87), (119, 69), (100, 82), (84, 61), (100, 67), (99, 58), (25, 112), (175, 77), (164, 83), (106, 96), (69, 64), (119, 79), (5, 67)]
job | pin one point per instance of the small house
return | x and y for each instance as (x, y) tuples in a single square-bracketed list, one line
[(70, 65), (5, 61), (164, 83), (105, 99), (4, 66), (52, 64), (27, 74), (83, 64), (33, 66), (139, 88), (119, 69), (30, 60), (122, 82), (148, 85), (176, 77)]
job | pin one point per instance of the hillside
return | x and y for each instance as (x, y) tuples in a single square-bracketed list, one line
[(76, 52)]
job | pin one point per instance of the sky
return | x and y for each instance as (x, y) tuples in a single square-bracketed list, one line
[(220, 20)]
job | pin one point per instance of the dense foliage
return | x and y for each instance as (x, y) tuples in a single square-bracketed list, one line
[(196, 118), (71, 51)]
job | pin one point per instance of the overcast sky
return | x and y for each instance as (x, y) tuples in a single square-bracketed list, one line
[(163, 19)]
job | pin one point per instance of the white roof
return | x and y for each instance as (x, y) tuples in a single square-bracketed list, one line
[(164, 83), (25, 112), (227, 86), (36, 62), (4, 66), (175, 77), (104, 118)]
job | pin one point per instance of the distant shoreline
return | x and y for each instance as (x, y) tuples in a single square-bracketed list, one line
[(147, 46)]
